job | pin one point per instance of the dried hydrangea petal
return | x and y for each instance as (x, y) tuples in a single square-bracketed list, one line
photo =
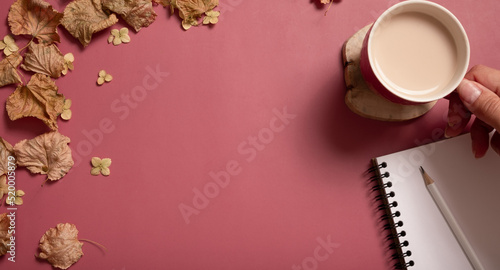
[(95, 171), (105, 171), (100, 80), (106, 162), (95, 161), (117, 41)]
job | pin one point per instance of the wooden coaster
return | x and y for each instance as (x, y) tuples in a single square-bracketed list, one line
[(363, 101)]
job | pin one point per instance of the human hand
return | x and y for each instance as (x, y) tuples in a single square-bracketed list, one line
[(478, 94)]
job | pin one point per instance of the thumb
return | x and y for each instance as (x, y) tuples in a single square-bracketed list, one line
[(481, 101)]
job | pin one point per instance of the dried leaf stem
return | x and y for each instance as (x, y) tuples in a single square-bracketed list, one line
[(329, 6), (93, 242), (26, 46), (17, 71)]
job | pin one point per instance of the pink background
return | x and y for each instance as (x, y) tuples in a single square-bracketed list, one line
[(303, 184)]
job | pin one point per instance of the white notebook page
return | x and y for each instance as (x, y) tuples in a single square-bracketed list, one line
[(471, 188)]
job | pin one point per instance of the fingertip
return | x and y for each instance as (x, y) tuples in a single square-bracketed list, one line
[(468, 91), (496, 149), (479, 150), (480, 138), (495, 142), (450, 131)]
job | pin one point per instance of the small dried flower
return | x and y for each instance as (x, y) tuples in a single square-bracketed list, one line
[(68, 63), (66, 113), (104, 77), (119, 36), (100, 166), (8, 45)]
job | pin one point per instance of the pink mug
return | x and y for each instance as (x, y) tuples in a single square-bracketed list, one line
[(415, 52)]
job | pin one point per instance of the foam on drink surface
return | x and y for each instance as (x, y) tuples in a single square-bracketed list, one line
[(415, 52)]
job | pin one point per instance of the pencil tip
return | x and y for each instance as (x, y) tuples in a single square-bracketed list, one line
[(426, 177)]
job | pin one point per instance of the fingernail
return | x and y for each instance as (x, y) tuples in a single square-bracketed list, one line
[(468, 91), (446, 134), (453, 122), (474, 153), (495, 148), (447, 130)]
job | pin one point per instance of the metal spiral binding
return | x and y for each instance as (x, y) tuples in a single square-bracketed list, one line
[(390, 215), (404, 265)]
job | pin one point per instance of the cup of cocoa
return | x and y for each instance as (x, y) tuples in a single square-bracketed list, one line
[(415, 52)]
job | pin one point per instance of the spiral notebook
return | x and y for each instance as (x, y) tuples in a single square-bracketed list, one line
[(420, 234)]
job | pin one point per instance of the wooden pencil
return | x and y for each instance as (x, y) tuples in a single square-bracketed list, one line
[(450, 219)]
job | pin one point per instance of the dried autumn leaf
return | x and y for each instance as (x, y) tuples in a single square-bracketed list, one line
[(8, 69), (39, 98), (44, 59), (164, 3), (36, 18), (4, 233), (48, 154), (6, 151), (82, 18), (4, 188), (191, 10), (136, 13), (60, 246)]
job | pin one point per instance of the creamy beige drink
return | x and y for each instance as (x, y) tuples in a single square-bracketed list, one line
[(414, 52)]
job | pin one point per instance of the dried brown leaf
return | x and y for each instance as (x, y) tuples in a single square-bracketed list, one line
[(39, 98), (8, 69), (44, 59), (48, 154), (136, 13), (6, 150), (4, 233), (60, 246), (164, 3), (82, 18), (4, 187), (191, 10), (36, 18)]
